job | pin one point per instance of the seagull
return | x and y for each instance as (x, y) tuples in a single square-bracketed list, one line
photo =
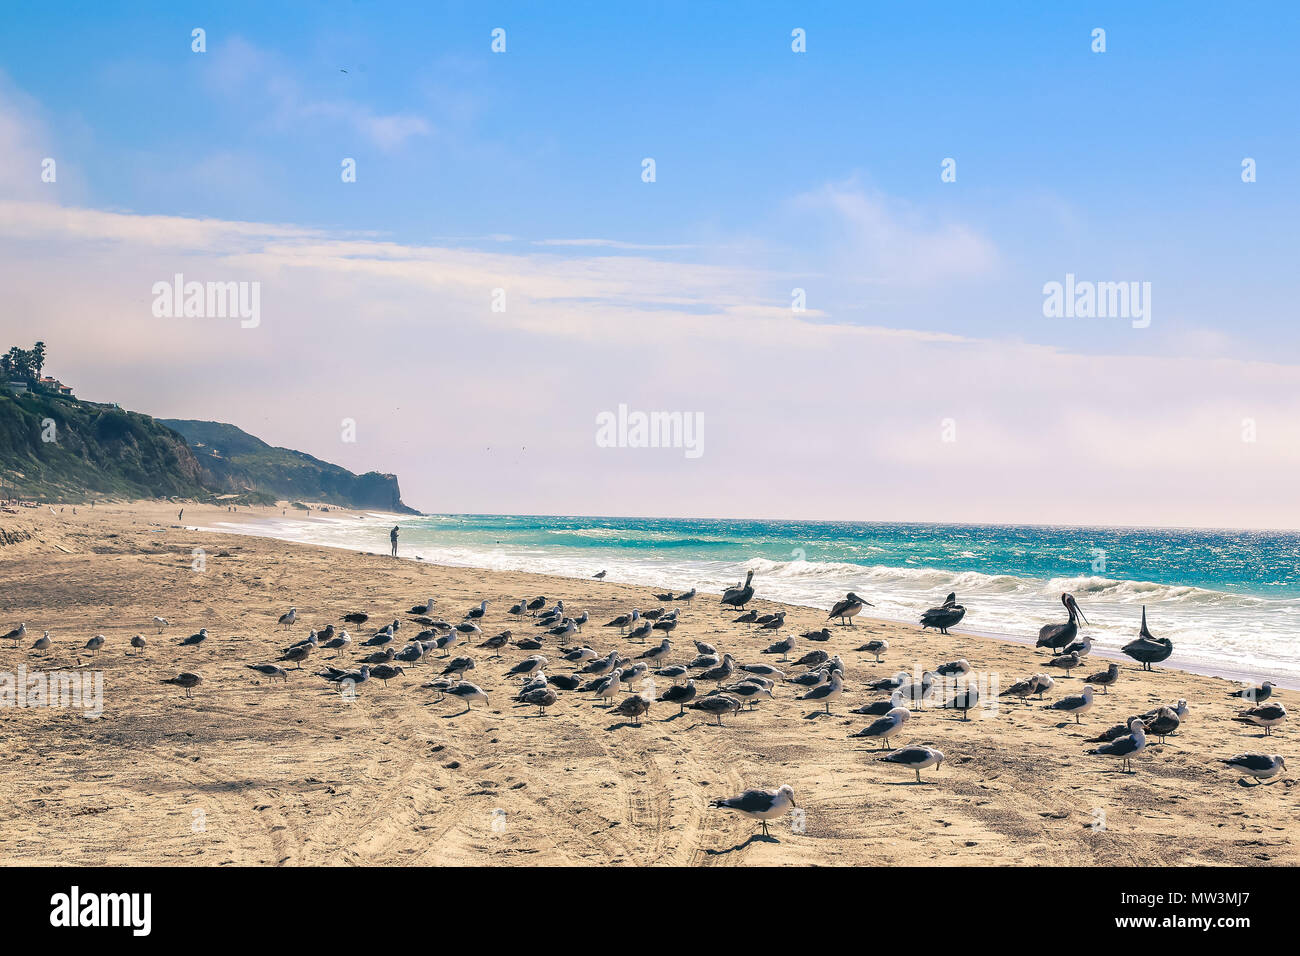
[(601, 667), (467, 692), (959, 668), (194, 640), (184, 679), (763, 670), (887, 726), (686, 595), (665, 624), (917, 758), (161, 622), (580, 655), (356, 617), (42, 642), (655, 653), (138, 642), (782, 647), (286, 620), (536, 604), (813, 659), (1259, 766), (1104, 679), (633, 708), (875, 647), (718, 705), (609, 686), (495, 644), (1081, 647), (600, 575), (1125, 747), (1163, 722), (750, 691), (760, 805), (1265, 715), (848, 609), (775, 623), (890, 683), (749, 617), (1076, 704), (566, 681), (679, 694), (410, 654), (386, 672), (1066, 662), (425, 608), (634, 673), (380, 638), (826, 692), (17, 634), (1256, 695), (666, 596), (704, 647), (1042, 683), (312, 639), (878, 708), (297, 654), (964, 701), (341, 677), (270, 670), (476, 613), (528, 666), (812, 678), (1021, 689), (541, 698), (519, 608), (640, 632), (675, 671), (338, 643), (722, 672), (95, 644)]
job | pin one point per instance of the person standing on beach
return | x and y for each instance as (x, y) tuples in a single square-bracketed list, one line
[(392, 535)]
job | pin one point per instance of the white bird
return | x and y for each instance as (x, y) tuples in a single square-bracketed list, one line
[(1076, 704), (760, 805), (1259, 766), (161, 622), (1125, 747)]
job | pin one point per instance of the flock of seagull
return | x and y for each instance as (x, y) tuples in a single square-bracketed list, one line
[(537, 624)]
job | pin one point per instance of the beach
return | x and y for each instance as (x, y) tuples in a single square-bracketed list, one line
[(251, 771)]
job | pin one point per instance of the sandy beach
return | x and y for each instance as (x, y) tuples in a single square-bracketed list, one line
[(258, 772)]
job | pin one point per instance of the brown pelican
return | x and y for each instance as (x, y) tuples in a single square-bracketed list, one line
[(738, 597), (1056, 636), (1148, 650), (945, 616), (845, 611)]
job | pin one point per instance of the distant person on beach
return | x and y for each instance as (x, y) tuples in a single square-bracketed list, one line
[(180, 514), (392, 536)]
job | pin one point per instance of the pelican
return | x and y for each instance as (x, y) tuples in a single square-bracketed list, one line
[(738, 597), (1056, 636), (845, 611), (760, 805), (1146, 649), (945, 616)]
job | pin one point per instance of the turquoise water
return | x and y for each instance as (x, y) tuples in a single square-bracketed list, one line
[(1230, 600)]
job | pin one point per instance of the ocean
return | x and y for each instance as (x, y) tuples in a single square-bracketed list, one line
[(1230, 600)]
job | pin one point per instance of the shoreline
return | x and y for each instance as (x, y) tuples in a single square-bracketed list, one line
[(289, 772), (1239, 676)]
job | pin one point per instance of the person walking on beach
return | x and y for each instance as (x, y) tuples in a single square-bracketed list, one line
[(392, 535)]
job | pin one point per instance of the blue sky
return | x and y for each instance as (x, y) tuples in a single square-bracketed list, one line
[(775, 169)]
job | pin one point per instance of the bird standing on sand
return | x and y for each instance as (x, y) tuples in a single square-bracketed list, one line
[(42, 642), (476, 613), (846, 610), (1259, 766), (1125, 747), (17, 634), (655, 654), (495, 644), (827, 692), (964, 700), (95, 644), (875, 648), (760, 805), (469, 693), (540, 697), (1265, 715), (386, 672), (1104, 679), (878, 708), (782, 647), (286, 620), (717, 705), (1056, 636), (184, 679), (338, 643), (722, 672), (194, 640), (1077, 704), (458, 667), (915, 758), (887, 726), (633, 708), (138, 642), (297, 654), (679, 694), (738, 597), (600, 575), (640, 632), (1067, 662), (270, 670), (945, 616), (1021, 689), (161, 622), (528, 666), (1256, 695), (1146, 649)]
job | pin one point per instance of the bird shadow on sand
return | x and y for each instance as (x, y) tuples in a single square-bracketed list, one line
[(910, 783), (815, 714), (756, 838), (665, 720), (623, 723)]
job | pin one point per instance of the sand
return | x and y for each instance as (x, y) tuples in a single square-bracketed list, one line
[(257, 772)]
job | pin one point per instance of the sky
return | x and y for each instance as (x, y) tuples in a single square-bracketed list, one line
[(922, 380)]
